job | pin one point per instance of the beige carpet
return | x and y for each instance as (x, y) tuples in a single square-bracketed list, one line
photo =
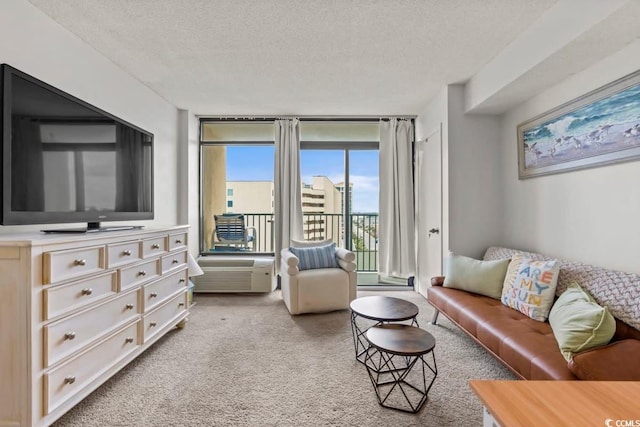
[(244, 361)]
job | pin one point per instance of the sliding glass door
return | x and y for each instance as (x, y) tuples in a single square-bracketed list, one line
[(339, 168)]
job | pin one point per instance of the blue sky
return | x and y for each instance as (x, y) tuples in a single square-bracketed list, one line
[(255, 163)]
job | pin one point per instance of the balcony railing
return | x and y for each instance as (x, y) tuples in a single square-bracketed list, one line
[(363, 241)]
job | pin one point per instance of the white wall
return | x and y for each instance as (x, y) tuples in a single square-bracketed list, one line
[(473, 169), (188, 177), (592, 215), (32, 42), (471, 156)]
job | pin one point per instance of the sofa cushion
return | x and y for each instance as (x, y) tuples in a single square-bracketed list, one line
[(530, 286), (316, 257), (322, 290), (472, 275), (617, 361), (525, 345), (579, 323)]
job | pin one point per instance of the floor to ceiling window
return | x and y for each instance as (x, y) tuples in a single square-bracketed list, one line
[(237, 192), (339, 161)]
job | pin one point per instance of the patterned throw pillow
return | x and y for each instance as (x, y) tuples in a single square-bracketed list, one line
[(530, 286), (316, 257)]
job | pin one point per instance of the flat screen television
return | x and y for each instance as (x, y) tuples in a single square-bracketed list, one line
[(64, 160)]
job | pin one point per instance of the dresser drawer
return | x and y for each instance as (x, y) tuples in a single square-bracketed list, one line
[(155, 246), (69, 378), (63, 265), (62, 299), (68, 335), (164, 315), (123, 253), (157, 292), (135, 275), (173, 261), (177, 241)]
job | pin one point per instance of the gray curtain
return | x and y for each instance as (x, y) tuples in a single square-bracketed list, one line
[(397, 230), (288, 197)]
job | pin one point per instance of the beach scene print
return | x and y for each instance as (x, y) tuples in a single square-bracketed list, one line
[(607, 125)]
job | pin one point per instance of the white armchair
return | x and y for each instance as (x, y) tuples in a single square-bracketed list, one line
[(317, 290)]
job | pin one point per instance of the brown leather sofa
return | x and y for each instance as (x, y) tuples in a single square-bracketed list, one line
[(528, 347)]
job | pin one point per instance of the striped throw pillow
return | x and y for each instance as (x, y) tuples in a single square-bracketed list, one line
[(316, 257)]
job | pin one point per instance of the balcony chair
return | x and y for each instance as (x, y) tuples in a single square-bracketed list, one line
[(318, 278), (232, 234)]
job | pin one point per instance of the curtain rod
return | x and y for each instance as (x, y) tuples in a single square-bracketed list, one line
[(303, 117)]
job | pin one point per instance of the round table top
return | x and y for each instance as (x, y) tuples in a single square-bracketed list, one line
[(403, 340), (384, 308)]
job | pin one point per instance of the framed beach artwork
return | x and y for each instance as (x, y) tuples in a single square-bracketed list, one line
[(599, 128)]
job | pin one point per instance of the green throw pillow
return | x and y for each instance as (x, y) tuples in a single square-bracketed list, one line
[(579, 323), (479, 277)]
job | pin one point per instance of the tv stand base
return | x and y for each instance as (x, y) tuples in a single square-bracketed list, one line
[(94, 227)]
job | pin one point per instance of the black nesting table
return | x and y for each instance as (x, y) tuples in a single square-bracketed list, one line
[(379, 310), (395, 351)]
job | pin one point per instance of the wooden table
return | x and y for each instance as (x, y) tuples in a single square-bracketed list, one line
[(380, 309), (395, 385), (560, 403), (384, 309)]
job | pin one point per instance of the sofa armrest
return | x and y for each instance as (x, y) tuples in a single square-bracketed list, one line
[(346, 265), (437, 281), (617, 361), (345, 255), (289, 262)]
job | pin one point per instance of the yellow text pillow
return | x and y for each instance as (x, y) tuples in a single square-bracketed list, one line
[(530, 286)]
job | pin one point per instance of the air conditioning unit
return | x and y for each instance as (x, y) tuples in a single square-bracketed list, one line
[(240, 274)]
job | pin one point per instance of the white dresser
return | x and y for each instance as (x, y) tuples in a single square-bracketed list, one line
[(75, 309)]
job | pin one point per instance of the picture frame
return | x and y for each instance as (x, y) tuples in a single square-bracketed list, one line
[(599, 128)]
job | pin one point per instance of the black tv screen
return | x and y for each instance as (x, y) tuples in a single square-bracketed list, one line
[(64, 160)]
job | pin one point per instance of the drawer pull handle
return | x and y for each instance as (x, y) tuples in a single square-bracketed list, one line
[(175, 261), (152, 324), (69, 336), (180, 304), (128, 340), (178, 241), (129, 306), (155, 246), (142, 273), (70, 379), (87, 291), (80, 262), (153, 295), (181, 281), (126, 252)]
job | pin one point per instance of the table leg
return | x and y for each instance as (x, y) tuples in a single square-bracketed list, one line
[(394, 389)]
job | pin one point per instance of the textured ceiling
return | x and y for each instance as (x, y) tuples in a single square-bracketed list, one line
[(306, 57)]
